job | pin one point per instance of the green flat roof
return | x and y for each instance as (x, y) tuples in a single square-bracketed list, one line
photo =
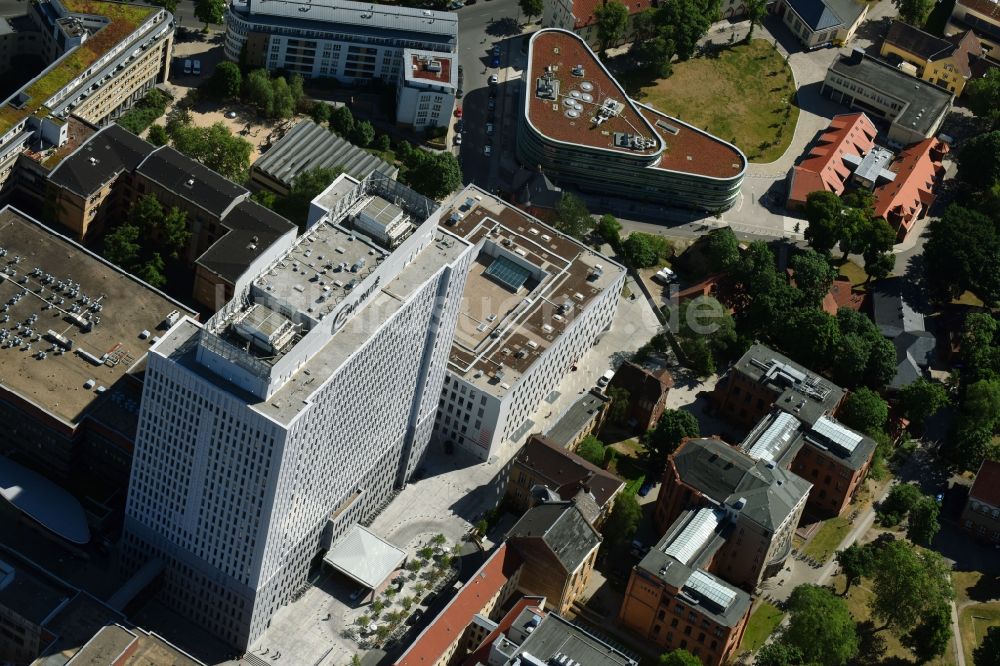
[(124, 20)]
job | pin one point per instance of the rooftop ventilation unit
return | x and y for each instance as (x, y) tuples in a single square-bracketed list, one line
[(577, 70)]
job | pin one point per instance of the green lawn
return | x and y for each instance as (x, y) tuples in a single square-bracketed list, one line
[(973, 622), (827, 539), (762, 624), (856, 274), (742, 96)]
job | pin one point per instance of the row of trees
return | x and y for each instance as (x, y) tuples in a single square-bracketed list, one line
[(911, 595), (671, 30), (214, 146), (849, 222), (147, 239), (273, 97), (906, 502)]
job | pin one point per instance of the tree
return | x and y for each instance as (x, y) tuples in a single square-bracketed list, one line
[(856, 562), (679, 658), (722, 249), (258, 92), (924, 523), (907, 583), (979, 161), (756, 11), (820, 626), (320, 113), (962, 251), (980, 347), (922, 399), (591, 449), (673, 426), (914, 12), (970, 443), (988, 652), (284, 102), (158, 135), (864, 410), (435, 175), (779, 653), (808, 335), (342, 121), (823, 211), (618, 411), (121, 245), (609, 228), (363, 133), (531, 8), (572, 217), (684, 22), (218, 149), (151, 272), (305, 188), (929, 639), (863, 353), (983, 95), (623, 520), (699, 355), (982, 403), (265, 198), (226, 81), (382, 143), (813, 276), (642, 250), (897, 504), (209, 11), (611, 19)]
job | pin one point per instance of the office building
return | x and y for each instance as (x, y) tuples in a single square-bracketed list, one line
[(341, 39), (528, 634), (74, 333), (535, 301), (579, 126), (297, 409), (913, 108), (102, 57), (674, 601), (426, 90)]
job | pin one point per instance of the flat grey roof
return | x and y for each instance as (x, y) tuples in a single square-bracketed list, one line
[(43, 501), (58, 384), (358, 14), (310, 146), (555, 635), (924, 103), (575, 418), (29, 591), (365, 557)]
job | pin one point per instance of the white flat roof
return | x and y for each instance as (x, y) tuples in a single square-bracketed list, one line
[(43, 501), (364, 557)]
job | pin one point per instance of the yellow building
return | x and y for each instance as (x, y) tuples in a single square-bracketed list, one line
[(947, 62)]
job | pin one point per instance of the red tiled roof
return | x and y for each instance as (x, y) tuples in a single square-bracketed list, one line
[(482, 653), (451, 623), (916, 167), (583, 10), (824, 168), (987, 485), (984, 7), (845, 296), (692, 151), (560, 51)]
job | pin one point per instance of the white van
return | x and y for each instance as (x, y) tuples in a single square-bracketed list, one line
[(606, 378), (665, 276)]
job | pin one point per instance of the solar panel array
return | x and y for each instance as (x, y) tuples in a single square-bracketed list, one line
[(837, 433), (694, 536), (508, 273), (711, 589)]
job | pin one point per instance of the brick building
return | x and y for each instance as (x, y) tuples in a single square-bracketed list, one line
[(981, 516), (647, 393)]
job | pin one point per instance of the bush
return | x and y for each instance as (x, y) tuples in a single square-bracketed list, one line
[(591, 449), (145, 112)]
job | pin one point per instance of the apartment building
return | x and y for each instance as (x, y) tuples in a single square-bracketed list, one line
[(75, 330), (948, 62), (580, 127), (232, 236), (104, 56), (674, 601), (350, 41), (765, 503), (535, 301), (297, 409), (981, 515), (913, 108), (426, 89)]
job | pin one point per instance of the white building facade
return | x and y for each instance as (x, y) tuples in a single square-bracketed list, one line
[(342, 39), (295, 412), (513, 347), (426, 90)]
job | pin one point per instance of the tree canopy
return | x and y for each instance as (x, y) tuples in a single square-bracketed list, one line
[(435, 175), (305, 188), (813, 276), (139, 243), (907, 584), (673, 426), (642, 250), (611, 20), (679, 658), (591, 449), (924, 523), (979, 160), (864, 410), (922, 399), (572, 217), (226, 81), (914, 12), (820, 626), (983, 95), (623, 521), (531, 8), (722, 249), (962, 252), (209, 11), (856, 562)]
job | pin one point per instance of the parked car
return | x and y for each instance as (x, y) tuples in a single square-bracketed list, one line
[(469, 2), (665, 276), (489, 129), (496, 50), (494, 79), (458, 139), (187, 66), (460, 126), (196, 70), (416, 617), (487, 150), (495, 61), (458, 112), (492, 104), (605, 378)]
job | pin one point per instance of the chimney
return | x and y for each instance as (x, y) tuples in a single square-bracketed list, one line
[(857, 55)]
